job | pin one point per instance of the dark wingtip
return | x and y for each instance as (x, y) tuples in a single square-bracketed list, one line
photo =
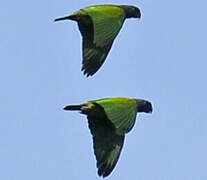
[(104, 170), (86, 72)]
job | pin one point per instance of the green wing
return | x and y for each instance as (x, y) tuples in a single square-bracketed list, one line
[(99, 34), (107, 144), (93, 57), (107, 22), (121, 112)]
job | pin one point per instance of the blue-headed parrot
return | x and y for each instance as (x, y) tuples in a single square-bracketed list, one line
[(109, 119), (99, 25)]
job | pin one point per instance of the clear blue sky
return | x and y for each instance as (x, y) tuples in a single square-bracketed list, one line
[(161, 58)]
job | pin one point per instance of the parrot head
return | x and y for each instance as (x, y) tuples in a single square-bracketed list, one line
[(131, 11), (144, 106)]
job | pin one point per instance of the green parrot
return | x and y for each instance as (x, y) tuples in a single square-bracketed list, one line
[(109, 120), (99, 25)]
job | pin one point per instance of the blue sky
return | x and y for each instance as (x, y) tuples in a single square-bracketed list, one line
[(161, 58)]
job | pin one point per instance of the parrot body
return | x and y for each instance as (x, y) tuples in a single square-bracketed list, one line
[(99, 25), (109, 120)]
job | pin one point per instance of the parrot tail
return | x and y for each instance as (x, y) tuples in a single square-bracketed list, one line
[(72, 17), (73, 107)]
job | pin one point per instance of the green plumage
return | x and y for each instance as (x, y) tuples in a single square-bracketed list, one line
[(109, 120), (121, 112), (99, 25)]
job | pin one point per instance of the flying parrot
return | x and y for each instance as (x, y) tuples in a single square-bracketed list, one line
[(99, 25), (109, 119)]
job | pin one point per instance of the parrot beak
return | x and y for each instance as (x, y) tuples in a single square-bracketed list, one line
[(62, 18), (150, 109)]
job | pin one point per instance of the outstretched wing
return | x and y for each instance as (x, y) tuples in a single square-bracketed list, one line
[(121, 112), (107, 144), (99, 31)]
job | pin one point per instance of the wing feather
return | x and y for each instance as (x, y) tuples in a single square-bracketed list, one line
[(107, 144), (121, 112), (99, 26), (107, 23)]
